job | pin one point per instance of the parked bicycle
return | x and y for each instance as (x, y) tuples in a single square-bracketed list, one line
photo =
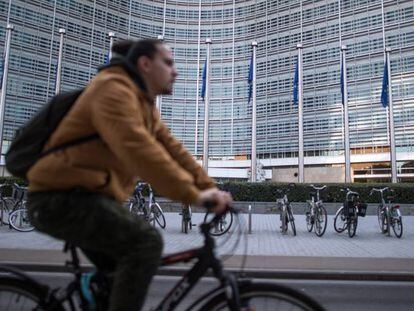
[(149, 210), (346, 216), (316, 215), (286, 213), (19, 291), (13, 209), (389, 214), (186, 219)]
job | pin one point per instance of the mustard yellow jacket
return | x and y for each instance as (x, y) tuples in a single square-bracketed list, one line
[(134, 144)]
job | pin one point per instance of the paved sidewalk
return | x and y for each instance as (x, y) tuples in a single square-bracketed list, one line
[(267, 249), (266, 239)]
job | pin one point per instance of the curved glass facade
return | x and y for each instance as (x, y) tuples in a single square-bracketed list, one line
[(365, 26)]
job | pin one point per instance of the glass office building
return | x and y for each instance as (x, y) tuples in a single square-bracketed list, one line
[(366, 27)]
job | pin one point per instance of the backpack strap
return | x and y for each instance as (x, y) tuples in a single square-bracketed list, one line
[(70, 144)]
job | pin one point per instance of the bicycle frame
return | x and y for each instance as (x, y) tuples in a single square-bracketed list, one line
[(205, 261)]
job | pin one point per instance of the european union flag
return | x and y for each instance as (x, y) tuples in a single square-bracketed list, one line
[(203, 87), (296, 83), (56, 75), (1, 72), (106, 59), (385, 83), (343, 83), (250, 79)]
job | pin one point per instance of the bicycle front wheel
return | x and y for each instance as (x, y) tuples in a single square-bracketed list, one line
[(386, 223), (19, 220), (309, 218), (321, 220), (380, 215), (6, 206), (265, 297), (16, 294), (158, 215), (223, 224), (292, 221), (340, 220)]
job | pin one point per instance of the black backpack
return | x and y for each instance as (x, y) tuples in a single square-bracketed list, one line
[(28, 143)]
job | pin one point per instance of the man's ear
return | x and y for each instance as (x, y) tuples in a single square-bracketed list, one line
[(143, 63)]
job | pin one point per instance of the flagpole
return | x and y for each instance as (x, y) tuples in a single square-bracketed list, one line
[(111, 36), (254, 121), (393, 154), (206, 108), (9, 29), (158, 102), (59, 64), (300, 112), (346, 115)]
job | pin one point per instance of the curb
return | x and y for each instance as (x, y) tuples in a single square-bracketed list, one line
[(292, 274)]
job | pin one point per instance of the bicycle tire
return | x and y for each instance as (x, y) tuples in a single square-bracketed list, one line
[(352, 226), (340, 216), (292, 221), (283, 219), (5, 210), (220, 229), (321, 216), (380, 215), (135, 208), (185, 226), (309, 220), (19, 220), (290, 297), (158, 215), (398, 232), (386, 224), (30, 296)]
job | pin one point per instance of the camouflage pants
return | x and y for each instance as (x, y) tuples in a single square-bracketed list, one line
[(106, 232)]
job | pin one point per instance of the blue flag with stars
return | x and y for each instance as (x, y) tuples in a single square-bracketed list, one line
[(342, 83), (385, 84), (296, 83), (250, 80), (203, 87)]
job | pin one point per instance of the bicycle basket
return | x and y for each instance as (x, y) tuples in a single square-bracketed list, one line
[(362, 209)]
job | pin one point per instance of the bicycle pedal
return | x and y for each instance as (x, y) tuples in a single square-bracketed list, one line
[(193, 225)]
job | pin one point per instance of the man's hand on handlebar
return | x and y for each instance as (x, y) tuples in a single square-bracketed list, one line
[(220, 200)]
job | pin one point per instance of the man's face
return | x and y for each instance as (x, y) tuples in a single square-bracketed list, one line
[(160, 70)]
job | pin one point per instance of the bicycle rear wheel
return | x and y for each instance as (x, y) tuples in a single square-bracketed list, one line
[(158, 215), (264, 297), (321, 220), (6, 207), (19, 220), (16, 294), (352, 226), (397, 226)]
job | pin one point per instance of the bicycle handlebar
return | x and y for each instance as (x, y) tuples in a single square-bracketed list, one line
[(319, 188), (380, 190)]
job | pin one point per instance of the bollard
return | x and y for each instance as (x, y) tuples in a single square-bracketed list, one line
[(250, 219)]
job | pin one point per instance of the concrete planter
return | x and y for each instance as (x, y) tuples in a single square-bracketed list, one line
[(270, 207)]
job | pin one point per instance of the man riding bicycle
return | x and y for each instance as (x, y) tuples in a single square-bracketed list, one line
[(76, 194)]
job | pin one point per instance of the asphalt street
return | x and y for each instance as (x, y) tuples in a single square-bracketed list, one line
[(333, 295)]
